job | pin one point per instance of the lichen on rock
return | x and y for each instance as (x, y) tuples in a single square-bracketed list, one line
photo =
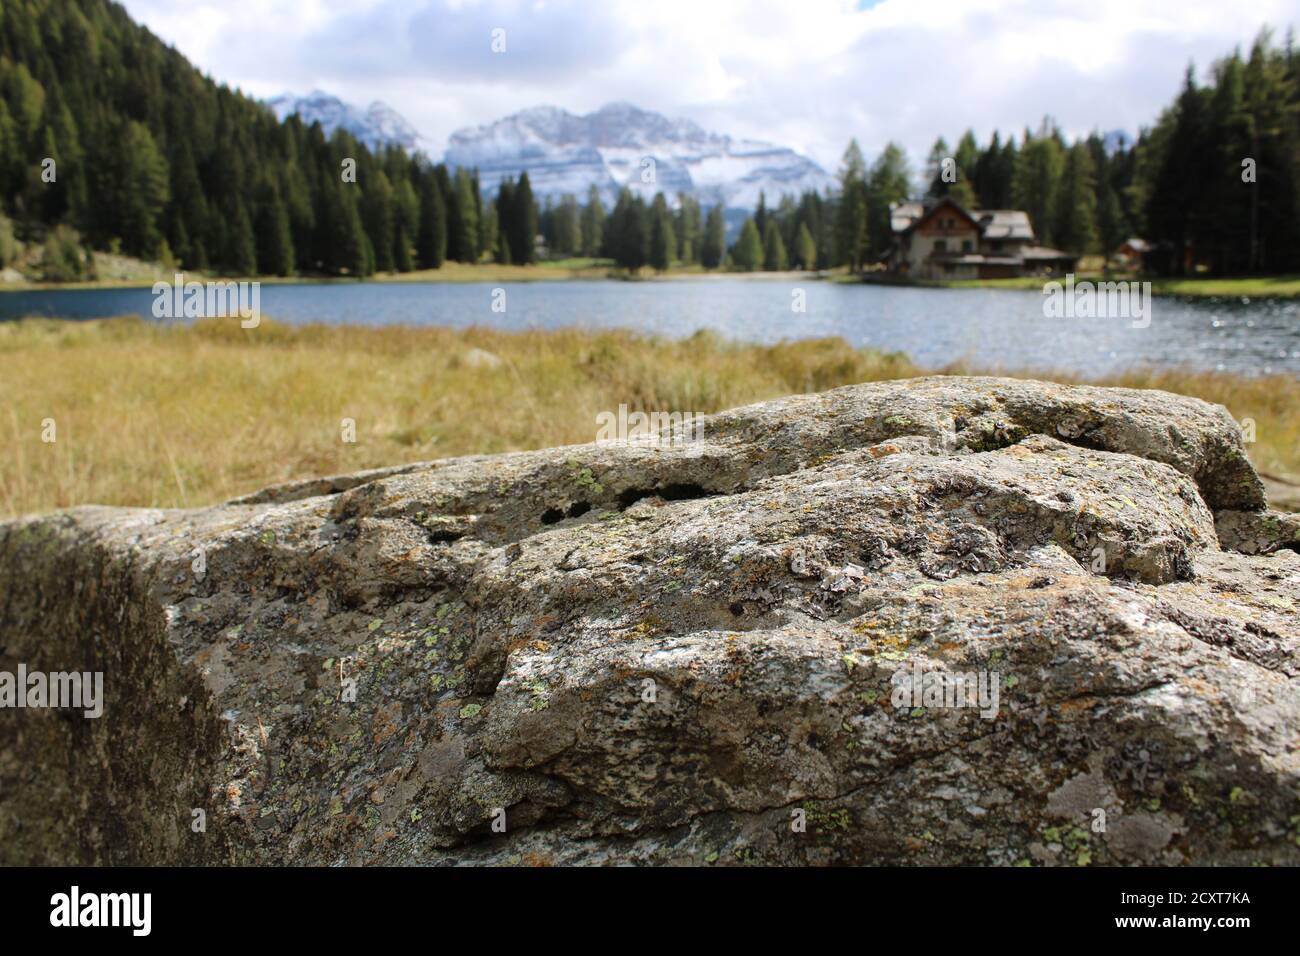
[(688, 653)]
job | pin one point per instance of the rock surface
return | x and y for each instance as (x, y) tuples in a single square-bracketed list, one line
[(688, 652)]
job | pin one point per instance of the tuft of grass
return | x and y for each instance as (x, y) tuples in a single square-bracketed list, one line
[(164, 415)]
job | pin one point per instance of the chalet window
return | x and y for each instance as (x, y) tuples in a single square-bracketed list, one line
[(965, 245), (940, 245)]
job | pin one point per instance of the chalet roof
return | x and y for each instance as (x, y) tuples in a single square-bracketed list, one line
[(1137, 245), (903, 214), (1004, 224), (993, 223)]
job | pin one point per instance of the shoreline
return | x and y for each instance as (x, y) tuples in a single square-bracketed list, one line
[(1249, 288)]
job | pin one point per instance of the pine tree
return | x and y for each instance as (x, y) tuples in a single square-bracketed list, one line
[(593, 224), (274, 243), (627, 238), (132, 190), (805, 249), (492, 228), (774, 257), (523, 245), (1075, 217), (402, 260), (936, 185), (380, 219), (431, 241), (352, 253), (713, 245), (406, 208), (888, 183), (747, 255), (241, 246), (663, 241), (463, 233), (567, 219), (851, 233), (1112, 230), (1039, 166), (507, 224)]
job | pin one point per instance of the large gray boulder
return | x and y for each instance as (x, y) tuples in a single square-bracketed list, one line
[(724, 650)]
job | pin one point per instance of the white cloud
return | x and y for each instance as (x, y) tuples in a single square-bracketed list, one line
[(805, 73)]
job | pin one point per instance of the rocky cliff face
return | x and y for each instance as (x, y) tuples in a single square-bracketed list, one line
[(739, 649)]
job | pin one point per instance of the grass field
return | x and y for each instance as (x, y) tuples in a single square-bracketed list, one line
[(168, 415)]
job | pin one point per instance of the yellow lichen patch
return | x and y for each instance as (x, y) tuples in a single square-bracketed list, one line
[(1078, 704)]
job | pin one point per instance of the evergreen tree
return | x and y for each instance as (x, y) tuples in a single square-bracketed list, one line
[(463, 232), (593, 224), (507, 225), (1075, 217), (131, 192), (627, 236), (747, 255), (851, 233), (1112, 229), (567, 219), (936, 186), (492, 228), (889, 182), (241, 246), (523, 240), (967, 157), (431, 240), (352, 252), (687, 226), (713, 245), (805, 249), (380, 221), (1037, 179), (774, 257), (274, 243), (663, 242)]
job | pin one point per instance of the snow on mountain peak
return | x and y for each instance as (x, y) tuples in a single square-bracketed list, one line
[(618, 145), (566, 153), (377, 125)]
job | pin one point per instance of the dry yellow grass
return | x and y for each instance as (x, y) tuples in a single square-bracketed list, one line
[(175, 415)]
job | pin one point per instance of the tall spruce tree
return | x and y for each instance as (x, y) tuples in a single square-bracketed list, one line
[(774, 255), (431, 238), (523, 244), (747, 255), (593, 224), (851, 232), (663, 242), (713, 245)]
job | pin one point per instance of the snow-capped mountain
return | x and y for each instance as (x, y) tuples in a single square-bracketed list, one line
[(621, 145), (377, 125)]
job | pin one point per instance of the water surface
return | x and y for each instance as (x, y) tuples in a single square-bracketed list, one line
[(989, 328)]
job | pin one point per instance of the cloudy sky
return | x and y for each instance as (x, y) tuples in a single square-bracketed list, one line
[(808, 74)]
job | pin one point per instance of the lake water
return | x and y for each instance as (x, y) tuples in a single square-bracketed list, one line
[(989, 328)]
